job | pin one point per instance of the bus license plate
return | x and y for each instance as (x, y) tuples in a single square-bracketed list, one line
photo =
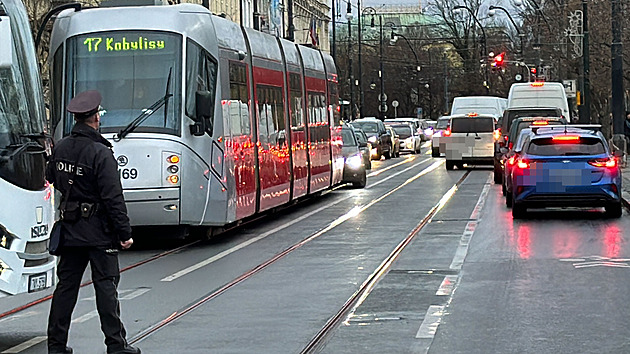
[(36, 282)]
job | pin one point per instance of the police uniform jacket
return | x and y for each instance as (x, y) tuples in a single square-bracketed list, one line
[(96, 181)]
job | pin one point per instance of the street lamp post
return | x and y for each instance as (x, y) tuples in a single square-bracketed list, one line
[(491, 12), (394, 37), (361, 99), (484, 48), (428, 87), (350, 75)]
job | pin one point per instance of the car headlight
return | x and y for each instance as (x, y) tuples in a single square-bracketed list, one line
[(372, 139), (354, 161), (409, 140)]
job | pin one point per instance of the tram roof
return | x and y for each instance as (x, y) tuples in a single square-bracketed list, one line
[(158, 18)]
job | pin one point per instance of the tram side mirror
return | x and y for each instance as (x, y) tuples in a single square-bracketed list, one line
[(204, 111), (6, 43)]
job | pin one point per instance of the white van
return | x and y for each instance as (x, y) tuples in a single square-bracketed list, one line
[(469, 140), (483, 105), (539, 94)]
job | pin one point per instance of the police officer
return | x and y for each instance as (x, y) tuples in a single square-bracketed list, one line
[(95, 226)]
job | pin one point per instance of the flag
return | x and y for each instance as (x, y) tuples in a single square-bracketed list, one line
[(313, 32)]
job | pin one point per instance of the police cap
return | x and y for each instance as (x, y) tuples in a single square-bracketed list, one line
[(85, 104)]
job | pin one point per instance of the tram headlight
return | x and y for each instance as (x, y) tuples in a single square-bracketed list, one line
[(173, 179), (6, 239), (173, 159)]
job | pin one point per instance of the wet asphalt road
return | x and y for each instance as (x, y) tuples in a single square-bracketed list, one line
[(472, 281)]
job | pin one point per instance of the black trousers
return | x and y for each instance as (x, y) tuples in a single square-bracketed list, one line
[(105, 277)]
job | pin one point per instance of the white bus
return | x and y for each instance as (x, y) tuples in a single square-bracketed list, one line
[(26, 200)]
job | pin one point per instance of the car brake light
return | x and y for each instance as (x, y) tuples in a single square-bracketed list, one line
[(510, 146), (447, 132), (566, 138), (538, 84), (522, 164), (473, 114), (610, 163), (497, 135), (541, 122), (511, 160)]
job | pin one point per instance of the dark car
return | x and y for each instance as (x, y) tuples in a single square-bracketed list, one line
[(353, 168), (523, 112), (516, 126), (365, 146), (566, 166), (377, 135)]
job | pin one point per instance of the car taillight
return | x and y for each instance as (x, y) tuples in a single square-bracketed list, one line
[(540, 122), (511, 161), (497, 135), (610, 162), (565, 138), (522, 164), (447, 132), (510, 145)]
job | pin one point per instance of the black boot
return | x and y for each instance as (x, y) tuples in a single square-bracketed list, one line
[(126, 350), (66, 350)]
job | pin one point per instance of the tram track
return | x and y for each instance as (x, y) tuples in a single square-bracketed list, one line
[(272, 260), (357, 298), (250, 221)]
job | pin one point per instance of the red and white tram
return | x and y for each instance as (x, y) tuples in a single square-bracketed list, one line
[(211, 123)]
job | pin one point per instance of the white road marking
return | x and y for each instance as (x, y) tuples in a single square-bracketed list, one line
[(88, 316), (353, 212), (407, 160), (23, 346), (447, 286), (19, 315), (396, 174), (462, 249), (431, 322), (134, 294)]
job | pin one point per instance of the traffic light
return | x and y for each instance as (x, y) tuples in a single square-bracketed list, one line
[(498, 60)]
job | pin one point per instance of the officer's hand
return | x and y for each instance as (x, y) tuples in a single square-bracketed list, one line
[(126, 244)]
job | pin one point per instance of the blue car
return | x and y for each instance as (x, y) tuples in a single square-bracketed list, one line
[(566, 166)]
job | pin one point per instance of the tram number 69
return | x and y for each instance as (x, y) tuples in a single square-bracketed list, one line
[(127, 173)]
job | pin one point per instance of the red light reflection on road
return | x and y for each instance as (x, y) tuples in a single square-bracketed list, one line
[(524, 242), (612, 241), (565, 244)]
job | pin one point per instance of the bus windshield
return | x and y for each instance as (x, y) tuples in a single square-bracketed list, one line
[(132, 70), (21, 111)]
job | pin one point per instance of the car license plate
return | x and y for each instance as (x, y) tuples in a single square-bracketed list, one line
[(37, 282)]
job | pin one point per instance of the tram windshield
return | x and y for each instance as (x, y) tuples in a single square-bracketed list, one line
[(132, 70), (21, 109)]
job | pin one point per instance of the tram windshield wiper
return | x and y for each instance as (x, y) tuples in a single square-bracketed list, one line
[(147, 112), (19, 149)]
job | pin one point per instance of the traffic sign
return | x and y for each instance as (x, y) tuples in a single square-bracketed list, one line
[(570, 87)]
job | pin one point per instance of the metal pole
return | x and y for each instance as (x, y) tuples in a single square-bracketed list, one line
[(617, 76), (383, 102), (291, 34), (350, 75), (333, 47), (483, 45), (446, 98), (586, 117), (361, 98)]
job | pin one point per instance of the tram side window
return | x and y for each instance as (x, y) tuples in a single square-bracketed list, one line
[(270, 105), (238, 93), (333, 100), (201, 75), (295, 92)]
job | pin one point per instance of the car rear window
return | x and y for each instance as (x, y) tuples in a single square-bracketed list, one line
[(367, 127), (550, 147), (472, 125), (360, 137), (526, 124), (442, 123), (530, 113), (404, 131), (348, 137)]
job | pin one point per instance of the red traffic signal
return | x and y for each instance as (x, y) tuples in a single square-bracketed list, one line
[(498, 60)]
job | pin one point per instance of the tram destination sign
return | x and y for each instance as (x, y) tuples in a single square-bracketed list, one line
[(96, 44)]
